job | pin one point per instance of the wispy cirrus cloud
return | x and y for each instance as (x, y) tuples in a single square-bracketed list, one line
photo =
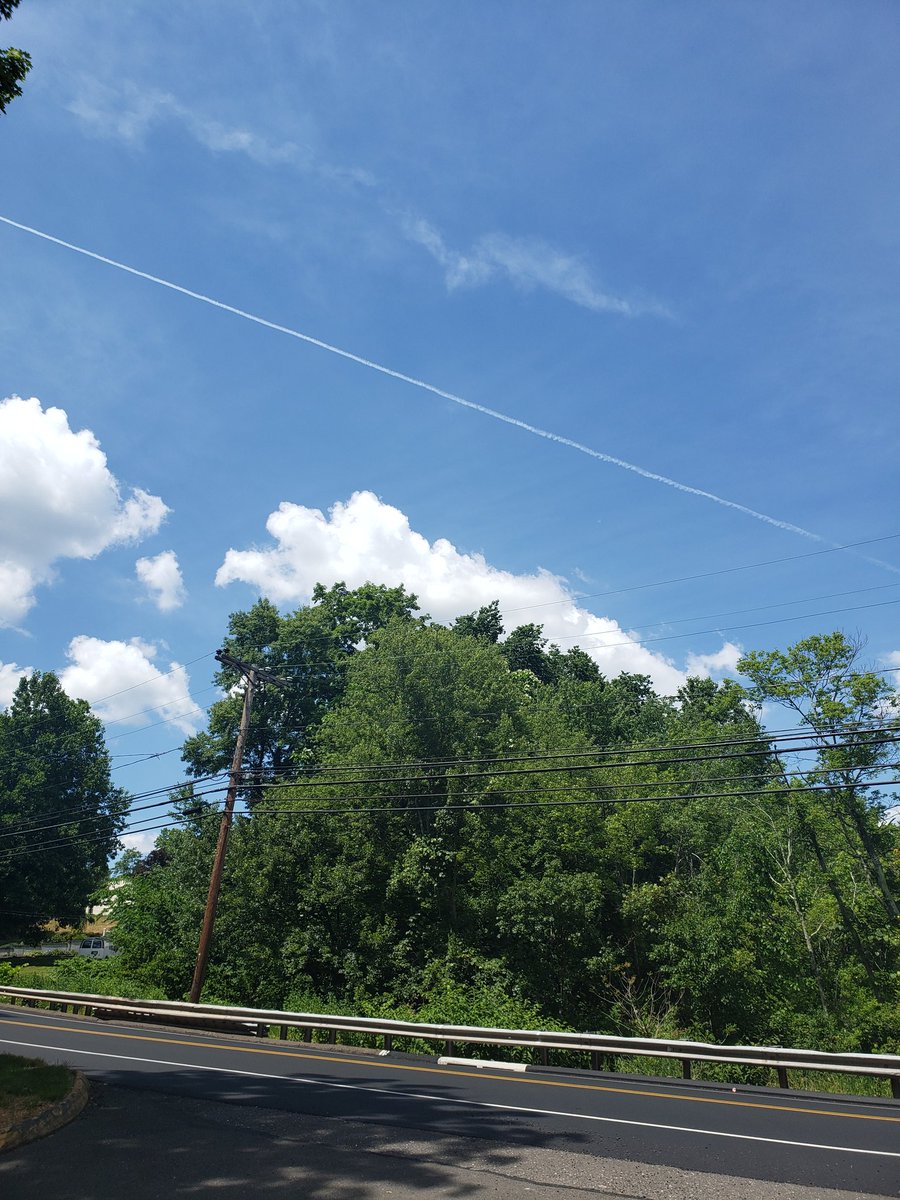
[(130, 113), (528, 263)]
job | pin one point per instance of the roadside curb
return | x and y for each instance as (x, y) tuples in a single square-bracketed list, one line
[(50, 1119)]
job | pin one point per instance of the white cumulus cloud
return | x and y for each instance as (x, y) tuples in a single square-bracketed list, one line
[(724, 660), (365, 539), (124, 686), (59, 500), (10, 674), (527, 262), (143, 842), (162, 578)]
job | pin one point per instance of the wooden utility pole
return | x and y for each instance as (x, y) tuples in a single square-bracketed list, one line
[(252, 676)]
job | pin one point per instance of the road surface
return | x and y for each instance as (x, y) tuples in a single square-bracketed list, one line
[(751, 1135)]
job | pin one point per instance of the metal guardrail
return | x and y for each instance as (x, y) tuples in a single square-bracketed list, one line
[(780, 1058)]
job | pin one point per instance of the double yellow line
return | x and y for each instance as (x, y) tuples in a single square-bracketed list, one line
[(516, 1077)]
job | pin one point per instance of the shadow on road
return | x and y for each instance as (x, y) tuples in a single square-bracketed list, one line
[(142, 1145)]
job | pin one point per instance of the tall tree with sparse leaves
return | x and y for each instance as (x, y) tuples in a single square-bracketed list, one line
[(846, 710)]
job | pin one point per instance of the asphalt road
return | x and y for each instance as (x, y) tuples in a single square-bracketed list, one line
[(750, 1135)]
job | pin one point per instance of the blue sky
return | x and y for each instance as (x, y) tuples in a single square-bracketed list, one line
[(666, 232)]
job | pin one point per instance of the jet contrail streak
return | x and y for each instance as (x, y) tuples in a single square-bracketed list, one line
[(547, 434)]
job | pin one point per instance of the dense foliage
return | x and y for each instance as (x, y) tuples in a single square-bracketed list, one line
[(55, 789), (447, 823)]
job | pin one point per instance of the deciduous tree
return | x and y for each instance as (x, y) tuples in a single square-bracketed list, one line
[(59, 811)]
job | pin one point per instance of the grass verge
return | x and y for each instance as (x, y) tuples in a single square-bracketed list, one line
[(28, 1085)]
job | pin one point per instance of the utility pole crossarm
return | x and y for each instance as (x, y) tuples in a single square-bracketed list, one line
[(259, 674)]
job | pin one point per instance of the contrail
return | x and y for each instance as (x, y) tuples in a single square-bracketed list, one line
[(547, 434)]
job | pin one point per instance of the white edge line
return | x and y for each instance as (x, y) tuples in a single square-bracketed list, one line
[(542, 1112)]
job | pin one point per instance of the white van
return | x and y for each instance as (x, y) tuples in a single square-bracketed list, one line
[(96, 947)]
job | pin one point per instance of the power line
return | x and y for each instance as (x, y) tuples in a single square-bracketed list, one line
[(96, 818), (364, 810), (154, 678), (616, 757), (268, 787), (570, 768), (785, 735), (478, 805), (137, 755), (61, 843), (155, 724), (671, 637), (539, 789), (638, 587), (462, 779), (67, 814), (634, 641), (619, 761), (545, 604), (585, 636), (767, 743), (191, 696), (136, 762), (734, 612), (408, 658)]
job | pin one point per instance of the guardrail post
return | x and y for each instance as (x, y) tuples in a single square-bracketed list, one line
[(685, 1068), (595, 1060), (388, 1042), (782, 1077), (895, 1086), (332, 1037), (282, 1033), (305, 1035), (543, 1056), (448, 1049)]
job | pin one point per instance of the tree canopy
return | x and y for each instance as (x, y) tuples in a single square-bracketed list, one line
[(450, 821), (14, 64), (311, 648), (55, 787)]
